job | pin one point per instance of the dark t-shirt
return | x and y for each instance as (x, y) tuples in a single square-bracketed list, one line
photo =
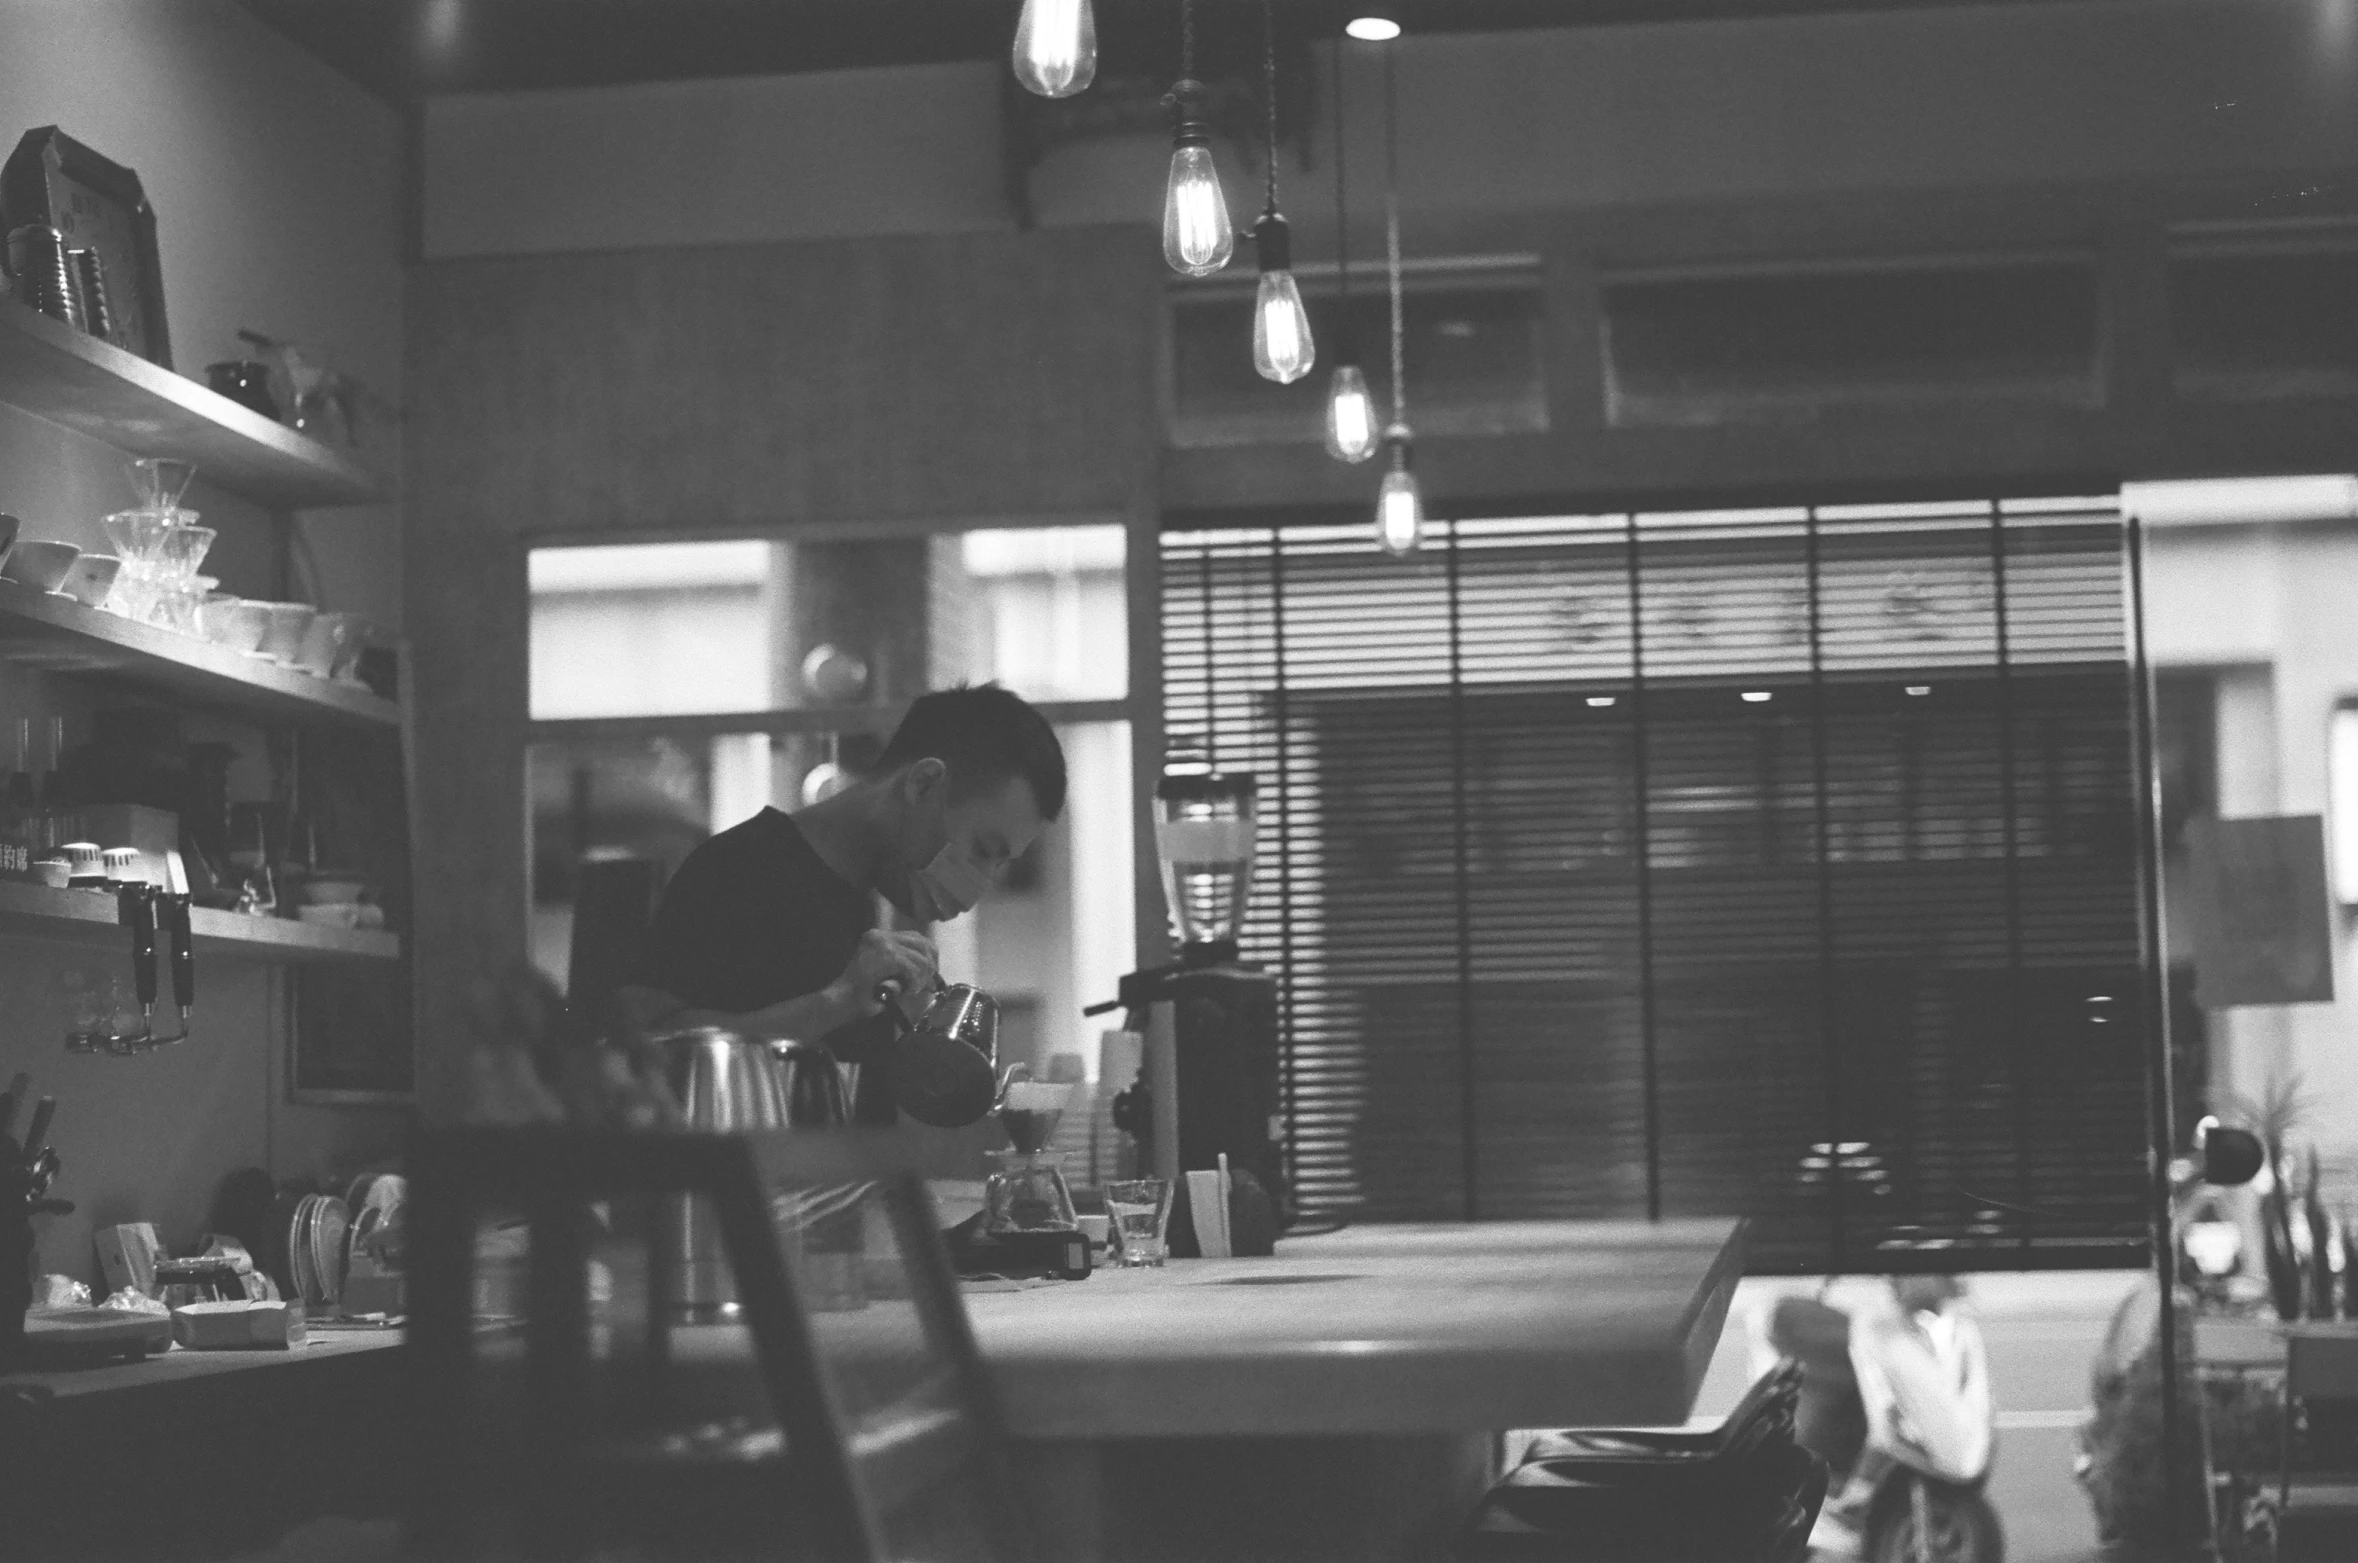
[(755, 916)]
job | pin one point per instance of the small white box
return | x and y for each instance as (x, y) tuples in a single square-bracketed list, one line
[(218, 1326)]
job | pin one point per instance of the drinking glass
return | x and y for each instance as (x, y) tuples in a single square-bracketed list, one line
[(1141, 1216), (99, 1012)]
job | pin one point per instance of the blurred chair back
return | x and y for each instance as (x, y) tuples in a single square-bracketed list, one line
[(613, 902), (886, 1442)]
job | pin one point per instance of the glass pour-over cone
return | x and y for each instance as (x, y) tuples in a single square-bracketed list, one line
[(159, 481), (141, 536)]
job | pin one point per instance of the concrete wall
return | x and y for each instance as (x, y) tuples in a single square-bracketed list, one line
[(277, 190), (1795, 107)]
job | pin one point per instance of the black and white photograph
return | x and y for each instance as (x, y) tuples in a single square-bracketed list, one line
[(1179, 781)]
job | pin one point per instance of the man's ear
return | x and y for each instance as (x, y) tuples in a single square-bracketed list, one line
[(923, 779)]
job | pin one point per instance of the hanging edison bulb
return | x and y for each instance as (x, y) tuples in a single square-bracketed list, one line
[(1198, 237), (1400, 508), (1350, 413), (1282, 348), (1056, 47)]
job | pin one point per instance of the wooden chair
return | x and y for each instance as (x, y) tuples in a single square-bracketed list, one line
[(887, 1442), (2317, 1514)]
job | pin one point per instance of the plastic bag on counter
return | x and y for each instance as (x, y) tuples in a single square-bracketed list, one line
[(60, 1291), (132, 1300)]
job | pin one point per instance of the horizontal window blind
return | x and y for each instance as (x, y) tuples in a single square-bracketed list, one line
[(1782, 862)]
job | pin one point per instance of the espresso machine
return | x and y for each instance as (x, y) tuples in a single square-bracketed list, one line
[(1207, 1086)]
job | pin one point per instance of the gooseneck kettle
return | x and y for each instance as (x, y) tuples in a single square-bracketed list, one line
[(944, 1070)]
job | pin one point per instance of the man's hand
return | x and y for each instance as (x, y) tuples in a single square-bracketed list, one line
[(906, 959)]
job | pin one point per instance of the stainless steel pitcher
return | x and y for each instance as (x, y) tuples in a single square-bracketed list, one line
[(812, 1087), (726, 1084)]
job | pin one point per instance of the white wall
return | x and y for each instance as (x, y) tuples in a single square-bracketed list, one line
[(277, 193), (1914, 99), (2269, 609)]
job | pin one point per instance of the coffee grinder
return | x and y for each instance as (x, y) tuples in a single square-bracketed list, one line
[(1207, 1086)]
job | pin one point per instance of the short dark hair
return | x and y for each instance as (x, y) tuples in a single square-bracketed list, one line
[(985, 734)]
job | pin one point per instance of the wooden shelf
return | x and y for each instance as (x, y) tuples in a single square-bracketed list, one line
[(89, 917), (70, 378), (44, 630)]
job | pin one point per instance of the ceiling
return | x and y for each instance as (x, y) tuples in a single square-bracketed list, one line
[(407, 49)]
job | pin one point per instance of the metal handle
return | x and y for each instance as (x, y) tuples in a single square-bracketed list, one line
[(138, 910), (175, 910)]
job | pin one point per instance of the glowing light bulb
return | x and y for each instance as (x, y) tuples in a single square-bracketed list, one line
[(1282, 349), (1056, 47), (1350, 415), (1400, 509), (1197, 236)]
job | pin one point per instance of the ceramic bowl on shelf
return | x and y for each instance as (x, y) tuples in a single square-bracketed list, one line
[(342, 915), (325, 640), (332, 890), (91, 579), (283, 641), (234, 622), (39, 564)]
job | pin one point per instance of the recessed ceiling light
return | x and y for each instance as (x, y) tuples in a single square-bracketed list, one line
[(1756, 696), (1919, 690), (1600, 700), (1372, 29)]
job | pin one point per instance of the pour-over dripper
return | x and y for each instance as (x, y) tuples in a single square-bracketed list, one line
[(1029, 1111), (140, 536), (159, 481), (184, 549)]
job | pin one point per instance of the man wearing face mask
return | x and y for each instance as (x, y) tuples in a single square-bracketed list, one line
[(769, 927)]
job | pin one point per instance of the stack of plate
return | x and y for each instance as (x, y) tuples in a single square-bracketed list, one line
[(372, 1281), (316, 1252)]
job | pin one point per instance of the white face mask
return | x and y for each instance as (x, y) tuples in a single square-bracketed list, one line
[(947, 886)]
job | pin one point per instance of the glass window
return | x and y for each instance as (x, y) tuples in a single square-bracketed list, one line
[(680, 688)]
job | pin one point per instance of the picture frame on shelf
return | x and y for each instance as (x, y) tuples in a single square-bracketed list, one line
[(96, 204)]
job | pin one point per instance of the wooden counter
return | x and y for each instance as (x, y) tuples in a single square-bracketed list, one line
[(1340, 1400), (1387, 1330), (1344, 1398)]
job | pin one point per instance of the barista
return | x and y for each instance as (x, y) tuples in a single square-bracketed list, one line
[(769, 927)]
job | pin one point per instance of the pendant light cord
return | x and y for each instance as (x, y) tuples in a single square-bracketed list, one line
[(1392, 238), (1187, 40), (1269, 88), (1342, 227)]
